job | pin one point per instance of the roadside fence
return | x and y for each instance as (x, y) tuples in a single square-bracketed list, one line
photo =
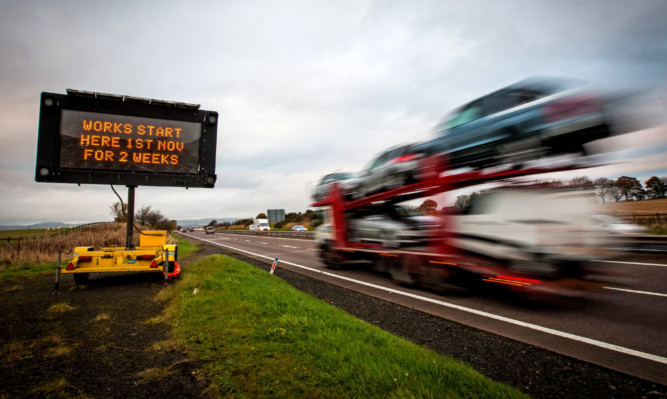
[(42, 247), (306, 235), (645, 219)]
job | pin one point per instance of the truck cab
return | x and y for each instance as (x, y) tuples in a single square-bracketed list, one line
[(261, 225)]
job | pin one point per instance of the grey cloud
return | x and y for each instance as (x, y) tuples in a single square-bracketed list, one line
[(303, 88)]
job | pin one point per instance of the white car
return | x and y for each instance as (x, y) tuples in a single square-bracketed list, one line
[(545, 232), (618, 226)]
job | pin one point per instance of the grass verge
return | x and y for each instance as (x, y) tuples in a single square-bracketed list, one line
[(186, 248), (259, 337), (24, 233), (21, 272)]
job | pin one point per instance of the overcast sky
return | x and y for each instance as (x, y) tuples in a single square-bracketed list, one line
[(303, 88)]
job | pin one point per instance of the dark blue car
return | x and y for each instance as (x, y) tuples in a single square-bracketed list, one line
[(527, 120)]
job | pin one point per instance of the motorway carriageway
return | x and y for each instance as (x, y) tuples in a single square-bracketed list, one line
[(621, 328)]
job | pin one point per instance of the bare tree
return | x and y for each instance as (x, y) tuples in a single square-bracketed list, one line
[(603, 187), (152, 219), (580, 181), (615, 193)]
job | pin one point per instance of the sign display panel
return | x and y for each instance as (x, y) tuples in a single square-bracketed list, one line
[(91, 140), (94, 138)]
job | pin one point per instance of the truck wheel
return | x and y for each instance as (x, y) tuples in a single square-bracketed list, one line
[(331, 258), (81, 278)]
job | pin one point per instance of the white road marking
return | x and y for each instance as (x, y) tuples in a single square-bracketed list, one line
[(289, 246), (635, 291), (265, 243), (271, 237), (535, 327), (632, 263)]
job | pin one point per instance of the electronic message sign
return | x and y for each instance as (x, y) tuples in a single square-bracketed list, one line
[(99, 138)]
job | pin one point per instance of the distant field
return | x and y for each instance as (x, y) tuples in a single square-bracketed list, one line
[(647, 206), (23, 233)]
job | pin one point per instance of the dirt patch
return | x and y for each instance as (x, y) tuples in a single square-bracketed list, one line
[(103, 340)]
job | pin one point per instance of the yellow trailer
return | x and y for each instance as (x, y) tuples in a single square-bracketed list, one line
[(152, 255)]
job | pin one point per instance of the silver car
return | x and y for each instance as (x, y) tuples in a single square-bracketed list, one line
[(345, 179), (391, 169), (394, 232)]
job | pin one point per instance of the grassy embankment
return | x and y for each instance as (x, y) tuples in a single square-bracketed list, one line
[(186, 248), (256, 336)]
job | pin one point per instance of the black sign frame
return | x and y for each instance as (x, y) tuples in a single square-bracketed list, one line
[(48, 165)]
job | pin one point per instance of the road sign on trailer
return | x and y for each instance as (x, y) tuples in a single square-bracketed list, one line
[(96, 138)]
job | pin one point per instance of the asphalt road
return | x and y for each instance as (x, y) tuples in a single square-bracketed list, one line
[(623, 328)]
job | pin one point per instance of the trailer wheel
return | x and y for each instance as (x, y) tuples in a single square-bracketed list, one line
[(399, 273), (81, 278), (437, 278), (414, 266)]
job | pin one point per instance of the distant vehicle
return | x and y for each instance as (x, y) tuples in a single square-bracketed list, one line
[(260, 225), (541, 232), (323, 188), (210, 230), (299, 227), (618, 226), (521, 122)]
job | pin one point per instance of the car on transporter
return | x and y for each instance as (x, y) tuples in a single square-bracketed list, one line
[(345, 180), (544, 232), (533, 118), (394, 168), (390, 226)]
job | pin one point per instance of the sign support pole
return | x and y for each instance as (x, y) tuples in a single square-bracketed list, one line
[(129, 243), (58, 272)]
